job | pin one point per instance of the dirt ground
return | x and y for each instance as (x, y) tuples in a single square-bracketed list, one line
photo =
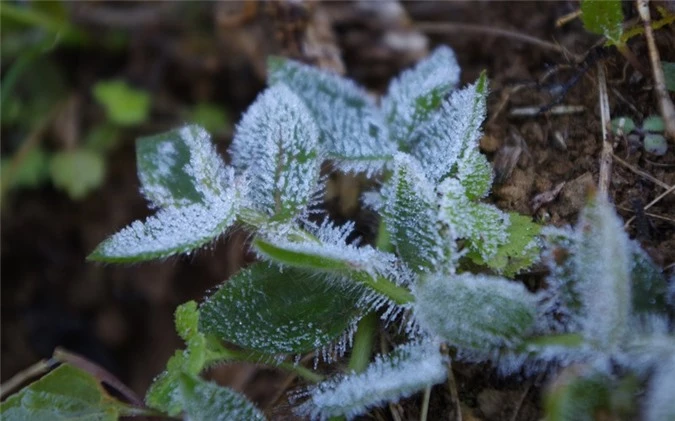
[(122, 316)]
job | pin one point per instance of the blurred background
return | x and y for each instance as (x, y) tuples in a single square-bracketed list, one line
[(82, 80)]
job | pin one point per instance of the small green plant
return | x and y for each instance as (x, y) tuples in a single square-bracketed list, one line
[(313, 290), (651, 132)]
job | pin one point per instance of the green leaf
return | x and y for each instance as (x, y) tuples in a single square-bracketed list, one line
[(454, 128), (669, 75), (207, 401), (622, 125), (201, 351), (578, 397), (483, 225), (399, 374), (181, 172), (353, 130), (180, 167), (415, 94), (650, 286), (170, 231), (77, 172), (474, 311), (212, 117), (276, 145), (124, 105), (518, 252), (653, 123), (602, 260), (603, 17), (409, 212), (474, 172), (276, 311), (67, 393), (32, 171), (326, 250)]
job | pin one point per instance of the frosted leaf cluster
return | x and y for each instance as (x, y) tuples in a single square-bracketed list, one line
[(399, 374), (197, 195)]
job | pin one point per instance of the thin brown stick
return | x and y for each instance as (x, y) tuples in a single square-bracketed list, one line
[(652, 203), (607, 149), (665, 104), (444, 27), (99, 372), (37, 369), (651, 215), (640, 172)]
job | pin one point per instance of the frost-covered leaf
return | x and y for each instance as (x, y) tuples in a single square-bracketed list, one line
[(325, 249), (410, 215), (66, 393), (276, 311), (602, 260), (170, 231), (77, 171), (181, 167), (276, 143), (603, 17), (650, 287), (483, 225), (408, 369), (353, 130), (452, 129), (474, 311), (204, 400), (415, 94), (660, 404), (474, 172), (577, 397), (518, 252), (201, 351)]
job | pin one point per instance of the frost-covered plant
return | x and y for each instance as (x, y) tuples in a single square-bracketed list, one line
[(313, 289)]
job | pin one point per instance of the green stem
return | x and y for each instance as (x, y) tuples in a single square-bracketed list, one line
[(363, 343), (398, 294), (225, 354)]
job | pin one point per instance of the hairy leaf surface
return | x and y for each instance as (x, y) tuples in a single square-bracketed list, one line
[(483, 225), (408, 369), (474, 311), (452, 129), (276, 144), (207, 401), (276, 311), (602, 261), (410, 215), (66, 393), (415, 94), (170, 231), (353, 130), (180, 167)]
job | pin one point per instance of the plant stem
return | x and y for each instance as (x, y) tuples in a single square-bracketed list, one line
[(363, 343), (425, 404)]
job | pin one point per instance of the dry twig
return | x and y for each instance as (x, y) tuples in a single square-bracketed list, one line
[(607, 149), (652, 203), (665, 104)]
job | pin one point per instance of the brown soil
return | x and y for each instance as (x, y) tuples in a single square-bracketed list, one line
[(122, 316)]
